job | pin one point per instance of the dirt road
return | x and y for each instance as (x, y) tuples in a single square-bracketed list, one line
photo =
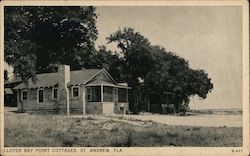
[(195, 120)]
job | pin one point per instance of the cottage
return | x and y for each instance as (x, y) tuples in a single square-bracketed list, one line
[(88, 91)]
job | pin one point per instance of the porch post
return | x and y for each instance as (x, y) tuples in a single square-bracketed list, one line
[(101, 93), (67, 100), (127, 102), (127, 95), (84, 100)]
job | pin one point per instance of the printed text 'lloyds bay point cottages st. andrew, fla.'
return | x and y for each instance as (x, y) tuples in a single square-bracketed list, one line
[(87, 91)]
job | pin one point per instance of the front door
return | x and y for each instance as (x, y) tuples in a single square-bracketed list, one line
[(108, 108)]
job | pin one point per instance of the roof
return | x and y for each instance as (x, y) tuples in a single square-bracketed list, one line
[(7, 91), (14, 80), (82, 76), (99, 82), (51, 79), (123, 84)]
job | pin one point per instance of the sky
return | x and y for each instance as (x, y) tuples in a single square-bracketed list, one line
[(209, 37)]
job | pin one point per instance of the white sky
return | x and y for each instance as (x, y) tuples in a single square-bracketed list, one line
[(210, 38)]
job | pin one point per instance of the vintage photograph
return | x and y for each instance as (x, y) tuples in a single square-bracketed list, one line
[(123, 76)]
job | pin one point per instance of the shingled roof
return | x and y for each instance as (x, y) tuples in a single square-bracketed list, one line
[(51, 79)]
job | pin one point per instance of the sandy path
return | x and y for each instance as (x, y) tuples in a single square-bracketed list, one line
[(198, 120), (204, 120)]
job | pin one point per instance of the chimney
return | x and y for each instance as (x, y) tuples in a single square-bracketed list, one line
[(64, 76), (63, 92)]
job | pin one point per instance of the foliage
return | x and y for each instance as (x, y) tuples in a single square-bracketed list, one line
[(174, 81), (135, 52), (165, 77), (111, 62), (37, 39)]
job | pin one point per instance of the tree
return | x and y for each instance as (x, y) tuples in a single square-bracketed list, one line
[(18, 50), (165, 77), (111, 62), (135, 61), (37, 39), (173, 81), (135, 54)]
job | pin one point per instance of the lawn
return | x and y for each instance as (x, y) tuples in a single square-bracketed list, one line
[(30, 130)]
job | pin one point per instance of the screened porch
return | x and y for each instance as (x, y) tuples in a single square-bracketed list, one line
[(105, 93)]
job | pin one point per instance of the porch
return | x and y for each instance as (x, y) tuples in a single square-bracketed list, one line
[(106, 98)]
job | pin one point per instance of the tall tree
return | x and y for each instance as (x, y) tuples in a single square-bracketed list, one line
[(111, 62), (37, 39), (136, 60), (165, 77), (18, 50), (171, 80), (135, 52)]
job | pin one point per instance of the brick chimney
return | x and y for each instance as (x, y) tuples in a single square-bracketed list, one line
[(63, 92)]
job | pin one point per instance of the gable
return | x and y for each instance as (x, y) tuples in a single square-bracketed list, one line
[(101, 78), (82, 76)]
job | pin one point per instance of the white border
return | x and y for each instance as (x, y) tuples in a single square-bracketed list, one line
[(156, 150), (245, 74)]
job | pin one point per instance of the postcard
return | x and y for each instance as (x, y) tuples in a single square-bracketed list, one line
[(124, 77)]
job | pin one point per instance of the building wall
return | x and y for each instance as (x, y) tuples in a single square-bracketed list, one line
[(94, 108), (51, 105), (108, 108), (118, 110), (31, 104), (76, 103)]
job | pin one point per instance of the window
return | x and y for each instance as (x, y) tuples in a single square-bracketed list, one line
[(75, 91), (24, 95), (54, 93), (94, 94), (115, 92), (108, 94), (122, 95), (121, 108), (40, 95), (89, 94)]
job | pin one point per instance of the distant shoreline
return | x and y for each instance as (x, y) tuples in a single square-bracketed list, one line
[(230, 111)]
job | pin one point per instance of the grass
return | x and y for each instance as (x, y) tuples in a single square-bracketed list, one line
[(23, 130)]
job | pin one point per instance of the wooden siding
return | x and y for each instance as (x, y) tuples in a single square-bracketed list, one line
[(117, 106), (31, 104), (76, 103), (94, 108)]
